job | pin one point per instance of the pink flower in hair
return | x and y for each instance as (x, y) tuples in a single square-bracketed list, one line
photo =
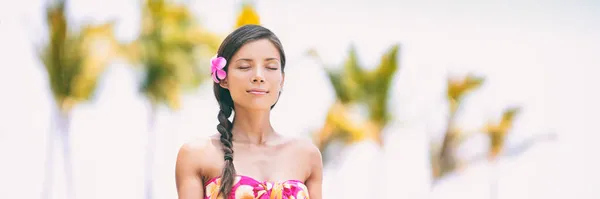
[(217, 65)]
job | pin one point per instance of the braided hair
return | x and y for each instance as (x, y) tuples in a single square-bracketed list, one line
[(230, 45)]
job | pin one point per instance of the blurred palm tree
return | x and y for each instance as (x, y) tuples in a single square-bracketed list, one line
[(173, 51), (247, 15), (357, 88), (172, 48), (73, 61), (443, 158), (497, 131)]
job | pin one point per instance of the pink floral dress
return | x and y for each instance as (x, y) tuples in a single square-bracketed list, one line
[(245, 187)]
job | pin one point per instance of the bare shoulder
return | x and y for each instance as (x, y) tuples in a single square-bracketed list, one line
[(193, 161), (196, 146), (307, 147), (314, 169), (196, 153)]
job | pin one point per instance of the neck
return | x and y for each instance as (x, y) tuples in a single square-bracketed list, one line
[(252, 126)]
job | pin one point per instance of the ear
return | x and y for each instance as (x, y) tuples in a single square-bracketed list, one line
[(224, 84)]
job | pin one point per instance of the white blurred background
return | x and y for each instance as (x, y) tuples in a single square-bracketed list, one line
[(540, 55)]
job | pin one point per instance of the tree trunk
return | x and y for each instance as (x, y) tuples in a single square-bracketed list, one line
[(59, 129), (150, 146), (49, 165), (65, 121), (494, 179)]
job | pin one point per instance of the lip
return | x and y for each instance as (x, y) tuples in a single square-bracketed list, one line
[(257, 91)]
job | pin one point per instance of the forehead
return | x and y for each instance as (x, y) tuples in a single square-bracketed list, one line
[(257, 50)]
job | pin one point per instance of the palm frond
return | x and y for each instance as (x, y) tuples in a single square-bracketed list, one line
[(248, 15), (173, 49), (74, 60)]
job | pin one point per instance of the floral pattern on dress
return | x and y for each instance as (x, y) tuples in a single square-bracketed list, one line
[(246, 187)]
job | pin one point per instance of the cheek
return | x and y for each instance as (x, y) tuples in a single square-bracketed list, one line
[(236, 80), (275, 78)]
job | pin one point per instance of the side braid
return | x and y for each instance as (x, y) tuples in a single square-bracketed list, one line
[(230, 45), (224, 128)]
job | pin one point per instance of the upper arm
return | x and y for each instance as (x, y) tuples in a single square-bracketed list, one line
[(314, 182), (187, 173)]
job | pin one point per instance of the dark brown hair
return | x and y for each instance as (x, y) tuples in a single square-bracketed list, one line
[(232, 43)]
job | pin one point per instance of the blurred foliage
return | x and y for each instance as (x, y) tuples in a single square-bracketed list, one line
[(173, 49), (497, 131), (356, 87), (459, 88), (444, 158), (248, 15), (75, 60)]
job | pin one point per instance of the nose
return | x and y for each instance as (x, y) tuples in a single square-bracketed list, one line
[(258, 76), (258, 79)]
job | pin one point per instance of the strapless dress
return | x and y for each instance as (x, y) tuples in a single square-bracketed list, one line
[(246, 187)]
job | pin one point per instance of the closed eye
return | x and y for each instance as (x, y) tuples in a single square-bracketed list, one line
[(272, 66)]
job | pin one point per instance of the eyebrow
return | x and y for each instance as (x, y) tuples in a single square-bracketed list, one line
[(250, 60)]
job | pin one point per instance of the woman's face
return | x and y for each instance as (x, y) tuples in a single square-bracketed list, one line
[(254, 76)]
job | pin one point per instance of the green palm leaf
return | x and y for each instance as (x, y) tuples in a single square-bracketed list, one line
[(380, 85), (339, 88), (73, 60), (353, 85), (173, 49), (446, 160)]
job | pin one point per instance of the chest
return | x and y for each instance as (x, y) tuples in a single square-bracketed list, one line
[(276, 163)]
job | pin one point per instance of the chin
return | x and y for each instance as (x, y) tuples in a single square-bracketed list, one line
[(257, 105), (260, 107)]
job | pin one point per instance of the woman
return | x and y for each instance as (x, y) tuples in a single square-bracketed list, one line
[(248, 72)]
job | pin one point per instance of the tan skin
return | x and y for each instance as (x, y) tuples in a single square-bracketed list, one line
[(259, 151)]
